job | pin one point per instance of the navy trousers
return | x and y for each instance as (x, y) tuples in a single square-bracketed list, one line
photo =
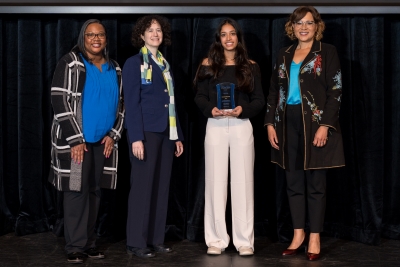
[(148, 196)]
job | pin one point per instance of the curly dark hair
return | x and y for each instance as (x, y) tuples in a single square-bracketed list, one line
[(143, 23), (216, 59)]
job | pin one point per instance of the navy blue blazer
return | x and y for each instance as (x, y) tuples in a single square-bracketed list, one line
[(146, 106)]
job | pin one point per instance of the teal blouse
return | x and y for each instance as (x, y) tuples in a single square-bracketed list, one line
[(294, 96)]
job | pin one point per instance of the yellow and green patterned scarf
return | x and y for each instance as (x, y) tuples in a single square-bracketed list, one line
[(146, 75)]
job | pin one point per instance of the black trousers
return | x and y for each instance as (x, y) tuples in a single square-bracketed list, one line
[(306, 190), (81, 208), (148, 197)]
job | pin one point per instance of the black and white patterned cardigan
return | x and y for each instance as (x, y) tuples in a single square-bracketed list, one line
[(66, 95)]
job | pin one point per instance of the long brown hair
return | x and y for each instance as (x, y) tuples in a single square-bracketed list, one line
[(216, 60)]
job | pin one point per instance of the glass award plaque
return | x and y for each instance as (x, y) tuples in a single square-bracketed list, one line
[(226, 96)]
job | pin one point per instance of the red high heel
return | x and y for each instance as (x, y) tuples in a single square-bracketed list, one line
[(312, 256), (291, 252)]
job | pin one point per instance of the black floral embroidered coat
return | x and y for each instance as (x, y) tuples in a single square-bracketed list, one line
[(321, 92)]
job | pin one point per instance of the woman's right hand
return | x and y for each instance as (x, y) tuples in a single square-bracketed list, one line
[(77, 153), (273, 139), (216, 112), (138, 150)]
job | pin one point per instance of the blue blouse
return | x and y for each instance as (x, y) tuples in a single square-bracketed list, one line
[(99, 101), (294, 96)]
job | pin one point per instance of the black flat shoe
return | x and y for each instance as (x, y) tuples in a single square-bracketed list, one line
[(140, 252), (75, 257), (160, 248), (93, 253)]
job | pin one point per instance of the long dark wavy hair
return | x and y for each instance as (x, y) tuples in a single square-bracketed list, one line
[(216, 59)]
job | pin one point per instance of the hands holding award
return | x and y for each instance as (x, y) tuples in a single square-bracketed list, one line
[(226, 101), (227, 112)]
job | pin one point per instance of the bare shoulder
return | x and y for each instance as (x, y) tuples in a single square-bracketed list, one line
[(252, 61), (205, 62)]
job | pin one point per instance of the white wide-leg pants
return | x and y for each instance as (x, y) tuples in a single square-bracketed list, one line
[(229, 138)]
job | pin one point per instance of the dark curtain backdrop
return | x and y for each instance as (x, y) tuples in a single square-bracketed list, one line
[(363, 198)]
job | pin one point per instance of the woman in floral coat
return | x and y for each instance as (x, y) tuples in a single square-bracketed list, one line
[(302, 120)]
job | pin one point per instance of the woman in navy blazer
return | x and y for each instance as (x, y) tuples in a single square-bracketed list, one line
[(154, 135)]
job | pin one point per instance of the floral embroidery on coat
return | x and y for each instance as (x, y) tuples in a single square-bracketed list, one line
[(281, 101), (314, 65), (338, 80), (316, 113), (339, 98), (281, 71), (277, 119)]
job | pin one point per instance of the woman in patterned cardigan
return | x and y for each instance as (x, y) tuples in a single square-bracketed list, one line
[(86, 95)]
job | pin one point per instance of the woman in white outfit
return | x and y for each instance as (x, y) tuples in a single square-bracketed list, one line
[(229, 135)]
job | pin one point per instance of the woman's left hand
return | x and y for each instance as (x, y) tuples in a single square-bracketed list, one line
[(321, 136), (234, 112), (108, 146), (179, 148)]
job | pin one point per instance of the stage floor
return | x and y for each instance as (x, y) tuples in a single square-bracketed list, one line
[(45, 249)]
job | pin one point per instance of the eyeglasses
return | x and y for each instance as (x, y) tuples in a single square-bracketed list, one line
[(308, 24), (92, 35)]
